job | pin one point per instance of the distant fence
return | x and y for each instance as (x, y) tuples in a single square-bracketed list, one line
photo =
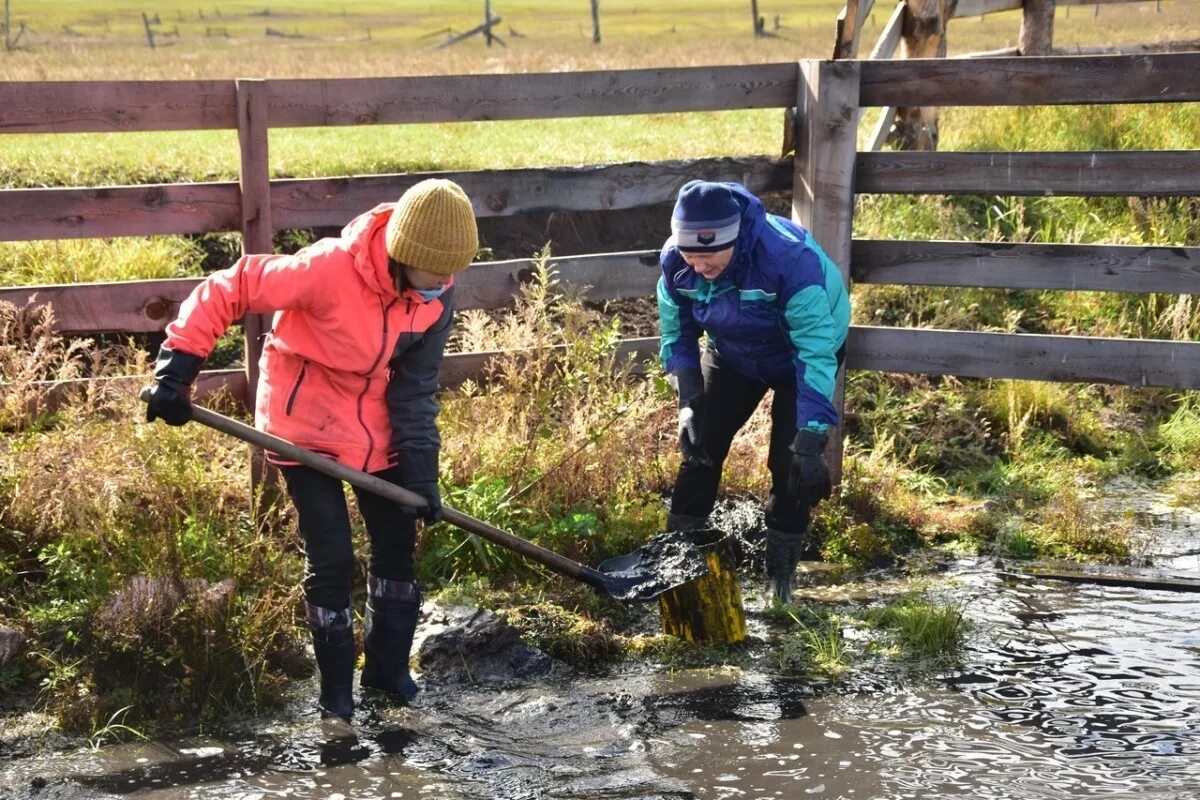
[(918, 29), (824, 176)]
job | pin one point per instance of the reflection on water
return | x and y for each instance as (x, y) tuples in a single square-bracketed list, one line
[(1064, 691)]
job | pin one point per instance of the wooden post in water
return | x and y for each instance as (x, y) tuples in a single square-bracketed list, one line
[(255, 184), (709, 609), (823, 182), (1037, 28)]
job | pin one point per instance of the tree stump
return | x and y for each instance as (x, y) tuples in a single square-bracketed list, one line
[(709, 609)]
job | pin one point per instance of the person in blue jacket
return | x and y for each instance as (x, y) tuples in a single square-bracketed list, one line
[(775, 312)]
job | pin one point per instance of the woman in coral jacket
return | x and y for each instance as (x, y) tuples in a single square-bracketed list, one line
[(349, 370)]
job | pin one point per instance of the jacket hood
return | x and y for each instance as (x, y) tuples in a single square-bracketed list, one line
[(365, 240), (754, 217)]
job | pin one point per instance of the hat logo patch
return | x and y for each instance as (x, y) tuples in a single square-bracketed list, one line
[(706, 237)]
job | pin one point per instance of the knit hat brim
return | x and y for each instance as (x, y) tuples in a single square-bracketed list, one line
[(705, 237)]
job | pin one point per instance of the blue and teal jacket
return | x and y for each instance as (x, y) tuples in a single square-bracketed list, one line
[(779, 308)]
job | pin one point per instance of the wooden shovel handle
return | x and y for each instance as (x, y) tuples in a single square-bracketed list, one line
[(363, 480)]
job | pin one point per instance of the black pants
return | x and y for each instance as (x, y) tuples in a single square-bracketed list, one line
[(729, 400), (325, 526)]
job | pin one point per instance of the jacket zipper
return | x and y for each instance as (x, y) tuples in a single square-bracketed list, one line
[(367, 385), (296, 388)]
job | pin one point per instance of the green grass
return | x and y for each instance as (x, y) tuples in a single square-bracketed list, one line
[(922, 628)]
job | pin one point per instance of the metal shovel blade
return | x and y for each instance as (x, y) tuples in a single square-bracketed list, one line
[(665, 562)]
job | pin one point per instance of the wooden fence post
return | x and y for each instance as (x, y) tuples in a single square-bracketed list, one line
[(1037, 28), (149, 30), (7, 28), (823, 180), (924, 36), (255, 183), (595, 21)]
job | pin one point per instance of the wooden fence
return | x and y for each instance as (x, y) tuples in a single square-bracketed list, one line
[(918, 29), (824, 176)]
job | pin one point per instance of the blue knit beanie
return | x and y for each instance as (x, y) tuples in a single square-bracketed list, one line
[(706, 217)]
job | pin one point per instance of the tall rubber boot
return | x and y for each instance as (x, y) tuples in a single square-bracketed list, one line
[(333, 646), (684, 522), (391, 621)]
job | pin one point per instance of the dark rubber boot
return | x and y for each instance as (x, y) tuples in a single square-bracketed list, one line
[(392, 608), (333, 646), (684, 522)]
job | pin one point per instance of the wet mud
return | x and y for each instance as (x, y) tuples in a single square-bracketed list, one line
[(1061, 691)]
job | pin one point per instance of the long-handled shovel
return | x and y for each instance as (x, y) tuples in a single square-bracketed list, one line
[(658, 566)]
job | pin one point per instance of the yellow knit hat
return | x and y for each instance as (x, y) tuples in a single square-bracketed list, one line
[(433, 228)]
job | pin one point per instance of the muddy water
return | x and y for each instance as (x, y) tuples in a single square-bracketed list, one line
[(1063, 691)]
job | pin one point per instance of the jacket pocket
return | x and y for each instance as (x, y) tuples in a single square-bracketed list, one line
[(287, 410)]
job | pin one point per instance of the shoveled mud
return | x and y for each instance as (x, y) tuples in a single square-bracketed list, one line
[(665, 562)]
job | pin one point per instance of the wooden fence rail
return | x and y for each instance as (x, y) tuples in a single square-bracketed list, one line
[(824, 176)]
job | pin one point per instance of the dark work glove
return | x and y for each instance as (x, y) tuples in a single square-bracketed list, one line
[(171, 398), (690, 386), (808, 477), (783, 553), (418, 473)]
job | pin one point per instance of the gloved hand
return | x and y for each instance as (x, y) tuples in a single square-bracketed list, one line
[(783, 553), (689, 384), (432, 512), (418, 473), (690, 443), (171, 398), (808, 476)]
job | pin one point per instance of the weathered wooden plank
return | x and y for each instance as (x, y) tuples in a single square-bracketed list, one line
[(606, 276), (499, 193), (1071, 359), (460, 367), (823, 177), (849, 27), (82, 106), (1128, 577), (254, 181), (1161, 78), (1036, 37), (29, 214), (457, 368), (124, 306), (889, 37), (1104, 268), (147, 306), (1171, 46), (208, 383), (173, 208), (1161, 173), (457, 98), (823, 180), (889, 40), (976, 8), (1133, 362)]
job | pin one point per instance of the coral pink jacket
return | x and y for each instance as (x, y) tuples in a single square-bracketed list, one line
[(350, 366)]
